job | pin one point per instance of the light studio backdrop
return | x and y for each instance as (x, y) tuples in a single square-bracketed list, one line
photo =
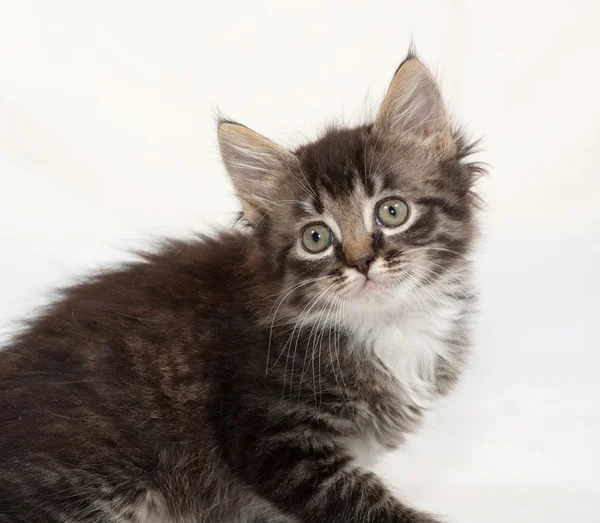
[(107, 138)]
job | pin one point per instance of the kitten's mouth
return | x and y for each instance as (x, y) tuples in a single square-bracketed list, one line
[(368, 283), (361, 283)]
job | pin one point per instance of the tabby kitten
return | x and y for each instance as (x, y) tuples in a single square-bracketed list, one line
[(252, 376)]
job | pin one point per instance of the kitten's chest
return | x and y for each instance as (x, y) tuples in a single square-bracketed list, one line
[(410, 348)]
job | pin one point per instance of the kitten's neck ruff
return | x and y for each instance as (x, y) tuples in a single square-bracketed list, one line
[(411, 339)]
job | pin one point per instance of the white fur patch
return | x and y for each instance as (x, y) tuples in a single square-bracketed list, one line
[(407, 335), (410, 350), (411, 346)]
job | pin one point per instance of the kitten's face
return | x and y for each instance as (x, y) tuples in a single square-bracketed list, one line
[(368, 222), (364, 217)]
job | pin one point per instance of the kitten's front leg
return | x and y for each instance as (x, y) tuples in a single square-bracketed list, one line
[(323, 486)]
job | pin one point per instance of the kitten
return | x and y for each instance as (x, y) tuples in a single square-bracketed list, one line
[(253, 376)]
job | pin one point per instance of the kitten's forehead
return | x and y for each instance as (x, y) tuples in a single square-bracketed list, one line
[(349, 164), (337, 163), (337, 167)]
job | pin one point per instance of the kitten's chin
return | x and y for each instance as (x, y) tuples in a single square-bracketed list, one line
[(370, 285), (369, 288)]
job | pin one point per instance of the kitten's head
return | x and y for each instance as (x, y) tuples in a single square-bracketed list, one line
[(363, 216)]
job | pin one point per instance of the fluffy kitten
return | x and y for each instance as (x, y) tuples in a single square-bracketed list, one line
[(253, 375)]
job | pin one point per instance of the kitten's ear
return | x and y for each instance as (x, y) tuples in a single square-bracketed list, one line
[(413, 107), (255, 165)]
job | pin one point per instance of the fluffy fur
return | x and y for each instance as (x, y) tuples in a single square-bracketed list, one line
[(241, 377)]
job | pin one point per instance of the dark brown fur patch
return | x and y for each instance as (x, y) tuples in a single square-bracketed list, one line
[(185, 387)]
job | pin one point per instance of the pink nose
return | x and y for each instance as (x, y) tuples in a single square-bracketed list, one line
[(362, 264)]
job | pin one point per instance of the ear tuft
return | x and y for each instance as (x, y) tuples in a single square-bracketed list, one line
[(413, 107)]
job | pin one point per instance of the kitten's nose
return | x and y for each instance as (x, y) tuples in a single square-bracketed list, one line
[(362, 264)]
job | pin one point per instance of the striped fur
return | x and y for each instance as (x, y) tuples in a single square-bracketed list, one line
[(241, 378)]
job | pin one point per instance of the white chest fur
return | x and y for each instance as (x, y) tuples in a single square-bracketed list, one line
[(410, 344), (410, 350)]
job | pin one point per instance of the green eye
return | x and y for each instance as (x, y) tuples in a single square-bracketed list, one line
[(317, 237), (392, 213)]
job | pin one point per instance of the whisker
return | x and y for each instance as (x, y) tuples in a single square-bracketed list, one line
[(319, 345), (436, 248), (316, 325), (337, 340), (416, 289), (281, 300), (440, 283), (443, 269), (333, 311), (301, 321)]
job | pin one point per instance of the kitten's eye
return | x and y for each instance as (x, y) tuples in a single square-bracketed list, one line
[(317, 237), (392, 213)]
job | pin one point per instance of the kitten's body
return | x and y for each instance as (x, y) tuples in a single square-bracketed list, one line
[(241, 378), (143, 427)]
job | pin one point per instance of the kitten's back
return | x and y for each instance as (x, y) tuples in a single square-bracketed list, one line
[(111, 372)]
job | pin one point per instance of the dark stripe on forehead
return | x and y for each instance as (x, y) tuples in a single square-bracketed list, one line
[(337, 181), (336, 162), (369, 184), (299, 210), (390, 179), (317, 203)]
